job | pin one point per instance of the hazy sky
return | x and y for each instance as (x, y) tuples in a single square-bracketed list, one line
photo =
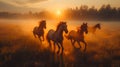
[(38, 5)]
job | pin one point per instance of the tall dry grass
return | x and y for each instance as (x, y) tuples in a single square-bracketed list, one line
[(20, 49)]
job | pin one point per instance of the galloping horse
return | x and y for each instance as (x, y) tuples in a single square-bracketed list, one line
[(94, 28), (57, 36), (78, 36), (39, 31)]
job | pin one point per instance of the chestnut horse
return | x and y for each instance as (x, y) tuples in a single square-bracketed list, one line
[(78, 36)]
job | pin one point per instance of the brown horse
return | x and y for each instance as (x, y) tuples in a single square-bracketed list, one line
[(39, 31), (78, 36), (57, 36), (94, 28)]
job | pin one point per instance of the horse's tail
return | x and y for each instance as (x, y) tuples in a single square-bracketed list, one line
[(34, 32), (48, 39)]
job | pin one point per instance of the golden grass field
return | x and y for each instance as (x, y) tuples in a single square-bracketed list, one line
[(19, 48)]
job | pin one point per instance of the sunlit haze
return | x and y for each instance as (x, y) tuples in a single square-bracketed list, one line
[(39, 5), (58, 12), (59, 33)]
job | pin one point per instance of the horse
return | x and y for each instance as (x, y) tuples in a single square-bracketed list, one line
[(57, 36), (94, 28), (38, 31), (78, 36)]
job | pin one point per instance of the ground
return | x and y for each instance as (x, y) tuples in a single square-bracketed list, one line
[(19, 49)]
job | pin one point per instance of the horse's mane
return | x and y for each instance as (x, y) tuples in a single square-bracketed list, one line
[(41, 23), (79, 28), (59, 24)]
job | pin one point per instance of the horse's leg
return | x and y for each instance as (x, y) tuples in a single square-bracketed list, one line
[(79, 43), (50, 44), (73, 43), (40, 39), (85, 45), (62, 47), (58, 48), (54, 46), (43, 37)]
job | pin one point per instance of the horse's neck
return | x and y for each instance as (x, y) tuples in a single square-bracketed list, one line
[(96, 26), (59, 32), (40, 28), (81, 32)]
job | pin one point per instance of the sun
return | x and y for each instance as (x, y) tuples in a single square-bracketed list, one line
[(58, 13)]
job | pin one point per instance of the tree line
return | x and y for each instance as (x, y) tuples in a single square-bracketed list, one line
[(105, 12)]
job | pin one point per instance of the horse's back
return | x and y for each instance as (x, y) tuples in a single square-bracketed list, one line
[(50, 32), (91, 29), (75, 35)]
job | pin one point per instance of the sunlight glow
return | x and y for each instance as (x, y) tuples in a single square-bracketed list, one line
[(58, 13)]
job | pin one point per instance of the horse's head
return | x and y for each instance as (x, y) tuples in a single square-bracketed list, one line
[(98, 26), (63, 26), (84, 28), (43, 24)]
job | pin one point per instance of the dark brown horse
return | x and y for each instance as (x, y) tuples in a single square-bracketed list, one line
[(78, 36), (39, 31), (57, 36)]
